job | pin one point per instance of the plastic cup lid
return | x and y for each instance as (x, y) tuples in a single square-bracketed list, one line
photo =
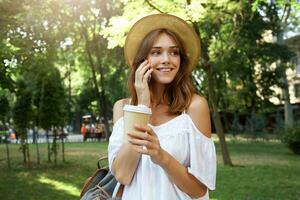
[(139, 109)]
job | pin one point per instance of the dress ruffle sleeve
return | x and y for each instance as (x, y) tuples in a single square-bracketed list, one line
[(202, 161), (115, 141)]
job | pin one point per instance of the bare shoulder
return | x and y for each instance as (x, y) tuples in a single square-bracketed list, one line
[(118, 109), (199, 112)]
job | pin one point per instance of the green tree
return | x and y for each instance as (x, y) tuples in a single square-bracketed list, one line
[(22, 115), (4, 106), (244, 60), (52, 107), (4, 110), (92, 17), (8, 21), (287, 19)]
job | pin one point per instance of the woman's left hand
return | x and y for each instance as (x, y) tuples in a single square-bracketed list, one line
[(145, 141)]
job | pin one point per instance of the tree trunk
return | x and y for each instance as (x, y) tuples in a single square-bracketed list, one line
[(23, 147), (7, 155), (63, 148), (37, 153), (217, 118), (107, 14), (213, 101), (288, 112), (28, 155), (104, 109), (37, 147), (54, 146), (69, 70), (48, 146), (100, 95)]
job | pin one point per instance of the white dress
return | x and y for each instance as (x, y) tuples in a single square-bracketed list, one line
[(180, 138)]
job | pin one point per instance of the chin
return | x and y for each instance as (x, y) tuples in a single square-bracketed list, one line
[(164, 80)]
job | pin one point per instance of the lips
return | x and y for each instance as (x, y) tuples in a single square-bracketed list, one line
[(164, 69)]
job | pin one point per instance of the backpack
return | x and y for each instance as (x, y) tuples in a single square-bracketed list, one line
[(101, 185)]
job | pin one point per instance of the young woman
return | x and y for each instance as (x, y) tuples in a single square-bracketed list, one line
[(174, 158)]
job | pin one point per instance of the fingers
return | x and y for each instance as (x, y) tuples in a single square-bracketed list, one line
[(143, 71), (142, 143), (144, 146), (143, 67), (148, 74), (144, 128), (140, 135), (139, 143)]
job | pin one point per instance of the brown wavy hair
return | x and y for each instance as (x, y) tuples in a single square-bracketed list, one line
[(179, 92)]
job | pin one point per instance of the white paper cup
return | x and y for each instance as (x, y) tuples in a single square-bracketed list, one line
[(134, 115)]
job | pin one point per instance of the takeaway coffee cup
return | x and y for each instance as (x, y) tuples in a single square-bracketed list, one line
[(134, 115)]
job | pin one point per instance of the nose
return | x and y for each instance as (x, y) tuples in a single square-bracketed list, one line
[(165, 58)]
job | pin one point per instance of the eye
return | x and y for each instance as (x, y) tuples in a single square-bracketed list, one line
[(174, 52), (155, 52)]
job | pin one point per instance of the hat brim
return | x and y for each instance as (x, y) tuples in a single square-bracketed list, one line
[(149, 23)]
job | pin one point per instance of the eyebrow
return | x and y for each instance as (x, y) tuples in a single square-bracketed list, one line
[(159, 47)]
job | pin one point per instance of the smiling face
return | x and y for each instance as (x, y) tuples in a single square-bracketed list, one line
[(166, 54), (164, 58)]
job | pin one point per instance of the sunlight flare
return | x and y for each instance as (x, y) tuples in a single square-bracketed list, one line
[(58, 185)]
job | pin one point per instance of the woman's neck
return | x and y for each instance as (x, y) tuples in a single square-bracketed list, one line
[(157, 95)]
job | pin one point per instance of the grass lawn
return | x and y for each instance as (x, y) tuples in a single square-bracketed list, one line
[(264, 170)]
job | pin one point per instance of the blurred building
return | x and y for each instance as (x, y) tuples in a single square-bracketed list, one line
[(293, 75)]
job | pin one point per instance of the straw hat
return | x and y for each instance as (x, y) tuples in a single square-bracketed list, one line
[(149, 23)]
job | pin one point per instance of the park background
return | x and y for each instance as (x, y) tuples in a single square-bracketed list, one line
[(62, 60)]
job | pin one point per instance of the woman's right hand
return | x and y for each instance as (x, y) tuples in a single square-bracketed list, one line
[(141, 83)]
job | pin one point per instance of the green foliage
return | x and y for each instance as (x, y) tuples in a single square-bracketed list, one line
[(233, 33), (8, 65), (22, 113), (292, 139), (244, 60), (4, 106), (33, 42), (52, 101), (86, 97)]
